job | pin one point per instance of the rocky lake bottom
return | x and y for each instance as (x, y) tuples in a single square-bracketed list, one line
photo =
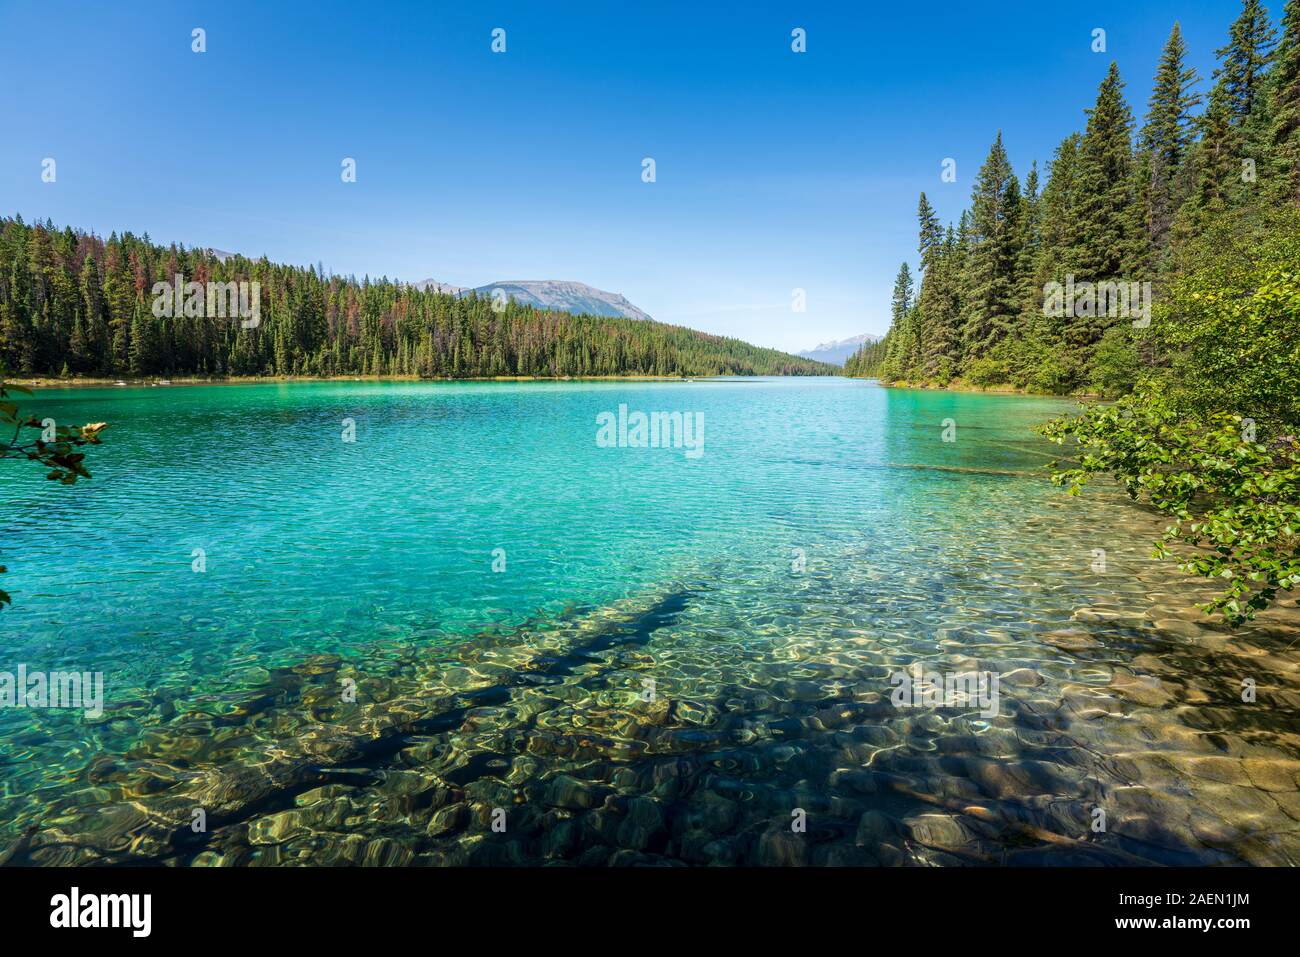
[(682, 663)]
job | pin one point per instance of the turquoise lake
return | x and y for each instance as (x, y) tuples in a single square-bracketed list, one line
[(349, 621)]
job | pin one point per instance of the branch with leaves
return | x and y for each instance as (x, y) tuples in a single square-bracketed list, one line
[(1235, 501), (56, 447)]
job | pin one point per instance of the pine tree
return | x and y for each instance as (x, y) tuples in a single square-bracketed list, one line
[(17, 335), (119, 296), (1244, 61), (931, 233), (904, 340), (1105, 247), (1284, 135), (932, 325), (939, 300), (1060, 213), (1031, 243), (991, 306), (1170, 129), (96, 328), (1218, 158), (1167, 138), (902, 300), (141, 358), (79, 350)]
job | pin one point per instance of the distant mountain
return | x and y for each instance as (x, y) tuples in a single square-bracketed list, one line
[(427, 284), (555, 294), (837, 352)]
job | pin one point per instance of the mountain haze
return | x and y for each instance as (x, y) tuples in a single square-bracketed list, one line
[(838, 351)]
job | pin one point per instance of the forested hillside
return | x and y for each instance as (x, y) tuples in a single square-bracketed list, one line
[(1119, 203), (74, 304)]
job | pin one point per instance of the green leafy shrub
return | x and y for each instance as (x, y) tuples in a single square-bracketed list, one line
[(1209, 436), (1235, 501)]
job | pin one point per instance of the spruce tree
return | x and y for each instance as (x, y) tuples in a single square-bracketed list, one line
[(1170, 128), (1060, 212), (902, 300), (1031, 242), (1167, 138), (991, 305), (931, 233), (1218, 158), (1105, 247), (910, 319), (96, 327), (939, 300), (1244, 61), (17, 335), (904, 338), (1285, 107), (141, 348), (932, 324)]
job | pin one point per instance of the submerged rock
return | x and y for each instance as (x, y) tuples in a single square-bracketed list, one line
[(449, 819), (781, 847)]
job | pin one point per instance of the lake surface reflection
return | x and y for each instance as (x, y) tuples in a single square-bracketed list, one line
[(477, 635)]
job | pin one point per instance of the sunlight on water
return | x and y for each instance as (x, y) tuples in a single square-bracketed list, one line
[(635, 654)]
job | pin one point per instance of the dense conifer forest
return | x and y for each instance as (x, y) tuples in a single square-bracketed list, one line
[(73, 304), (1119, 203)]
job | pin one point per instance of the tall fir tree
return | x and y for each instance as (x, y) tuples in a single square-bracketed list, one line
[(1031, 243), (1167, 139), (1060, 212), (1218, 159), (937, 353), (902, 300), (95, 324), (1244, 61), (17, 334), (905, 336), (931, 232), (1284, 132), (1105, 248), (991, 307), (939, 300)]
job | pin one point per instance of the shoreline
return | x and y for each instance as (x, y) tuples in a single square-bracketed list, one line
[(958, 385), (93, 382), (87, 382)]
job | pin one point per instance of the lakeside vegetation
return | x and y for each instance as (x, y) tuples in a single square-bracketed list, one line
[(1119, 204), (1208, 436), (1205, 207), (73, 304)]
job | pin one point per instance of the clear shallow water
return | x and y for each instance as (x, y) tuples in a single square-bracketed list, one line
[(370, 564)]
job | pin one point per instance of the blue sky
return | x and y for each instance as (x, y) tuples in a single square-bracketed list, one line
[(775, 170)]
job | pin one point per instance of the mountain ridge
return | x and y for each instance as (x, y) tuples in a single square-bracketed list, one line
[(837, 351), (560, 295)]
